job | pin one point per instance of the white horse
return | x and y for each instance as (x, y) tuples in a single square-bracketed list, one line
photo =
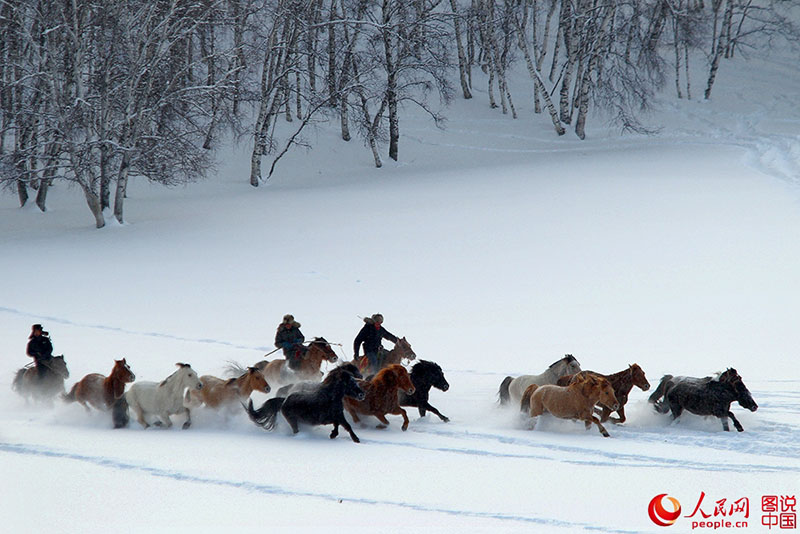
[(511, 389), (165, 398)]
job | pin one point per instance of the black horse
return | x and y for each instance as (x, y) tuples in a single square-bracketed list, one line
[(703, 396), (424, 375), (320, 406)]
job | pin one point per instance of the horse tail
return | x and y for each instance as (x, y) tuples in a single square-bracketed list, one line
[(119, 412), (525, 403), (267, 415), (70, 397), (661, 390), (504, 394)]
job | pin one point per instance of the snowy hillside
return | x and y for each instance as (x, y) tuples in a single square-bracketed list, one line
[(495, 247)]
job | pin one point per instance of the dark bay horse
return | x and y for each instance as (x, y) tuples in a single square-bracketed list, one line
[(704, 396), (401, 351), (575, 401), (622, 382), (278, 371), (321, 406), (424, 375), (101, 391), (28, 383), (382, 395)]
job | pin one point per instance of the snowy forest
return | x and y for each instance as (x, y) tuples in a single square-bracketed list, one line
[(95, 93)]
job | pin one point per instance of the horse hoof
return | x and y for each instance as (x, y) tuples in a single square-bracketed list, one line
[(404, 428), (186, 425), (381, 427), (445, 419)]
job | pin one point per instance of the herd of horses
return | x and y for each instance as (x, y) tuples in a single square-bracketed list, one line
[(306, 395)]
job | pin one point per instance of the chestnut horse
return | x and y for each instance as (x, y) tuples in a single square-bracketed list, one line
[(101, 391), (401, 351), (622, 382), (28, 384), (279, 372), (217, 392), (382, 395), (575, 401)]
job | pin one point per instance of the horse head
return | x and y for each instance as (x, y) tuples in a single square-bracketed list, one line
[(743, 396), (122, 371), (184, 377), (597, 389), (59, 366), (429, 373), (351, 387), (405, 349), (567, 365), (255, 380), (402, 379), (325, 351), (638, 378)]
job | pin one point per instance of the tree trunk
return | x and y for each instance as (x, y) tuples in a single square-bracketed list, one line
[(720, 48), (462, 59), (122, 187), (391, 83)]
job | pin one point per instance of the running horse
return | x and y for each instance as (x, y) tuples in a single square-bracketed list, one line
[(575, 401), (511, 389), (711, 395), (279, 372), (401, 351), (425, 375), (217, 392), (28, 383), (622, 382), (101, 391), (158, 399), (382, 395), (318, 405)]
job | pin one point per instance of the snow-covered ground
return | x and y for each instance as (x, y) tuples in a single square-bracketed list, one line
[(495, 248)]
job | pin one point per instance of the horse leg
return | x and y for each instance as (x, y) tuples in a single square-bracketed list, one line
[(619, 420), (349, 429), (140, 417), (402, 412), (437, 412), (600, 427), (165, 420), (736, 423), (335, 431), (382, 418), (188, 422)]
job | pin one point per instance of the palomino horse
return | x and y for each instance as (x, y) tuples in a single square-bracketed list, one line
[(217, 392), (321, 406), (425, 375), (401, 351), (101, 391), (162, 399), (28, 384), (382, 395), (704, 396), (279, 372), (575, 401), (622, 382), (512, 388)]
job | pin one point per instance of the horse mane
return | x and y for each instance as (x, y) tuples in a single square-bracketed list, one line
[(566, 359), (423, 367), (170, 377)]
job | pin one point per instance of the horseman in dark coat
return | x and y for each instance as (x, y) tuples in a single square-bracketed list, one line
[(371, 335), (290, 339), (40, 348)]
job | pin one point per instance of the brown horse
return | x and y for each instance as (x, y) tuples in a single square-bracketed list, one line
[(278, 371), (381, 395), (218, 392), (575, 401), (101, 391), (622, 382), (401, 350)]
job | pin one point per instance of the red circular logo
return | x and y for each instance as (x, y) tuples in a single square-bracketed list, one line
[(661, 516)]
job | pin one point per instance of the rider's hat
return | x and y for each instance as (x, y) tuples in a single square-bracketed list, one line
[(288, 318), (378, 318)]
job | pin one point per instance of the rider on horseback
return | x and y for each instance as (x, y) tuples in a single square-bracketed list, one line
[(40, 349), (371, 335), (290, 339)]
